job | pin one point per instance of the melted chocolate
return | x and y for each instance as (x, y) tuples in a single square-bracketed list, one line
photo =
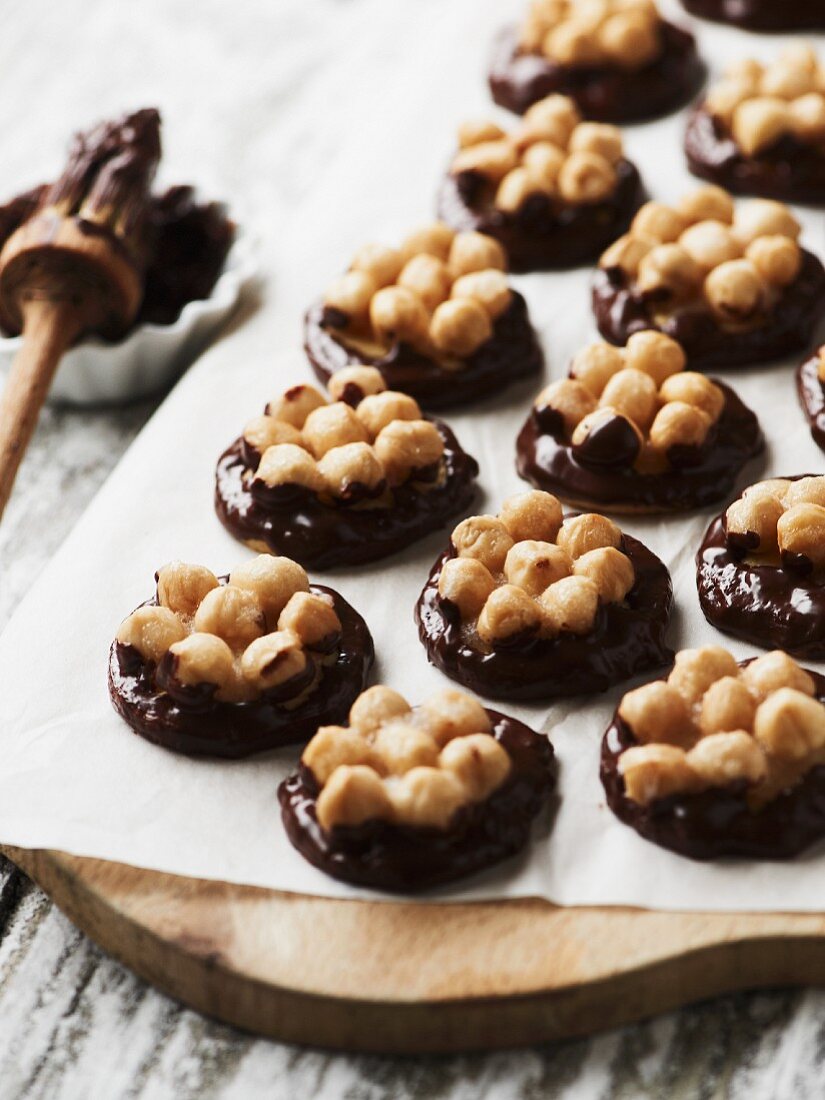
[(812, 398), (762, 15), (771, 606), (626, 639), (543, 234), (545, 458), (402, 858), (790, 170), (320, 536), (620, 310), (197, 724), (606, 93), (513, 352), (719, 822)]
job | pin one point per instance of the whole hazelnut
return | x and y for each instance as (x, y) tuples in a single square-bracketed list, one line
[(807, 117), (633, 393), (332, 426), (543, 160), (627, 253), (476, 131), (586, 177), (655, 354), (630, 39), (151, 631), (790, 725), (669, 272), (295, 405), (181, 586), (427, 277), (460, 326), (273, 660), (312, 617), (286, 464), (427, 798), (407, 446), (710, 243), (265, 431), (204, 659), (402, 746), (764, 218), (517, 187), (750, 524), (570, 606), (725, 758), (354, 465), (466, 583), (571, 400), (484, 538), (399, 316), (380, 409), (272, 581), (787, 81), (334, 747), (734, 290), (232, 613), (708, 203), (776, 259), (353, 384), (696, 669), (557, 110), (449, 713), (595, 365), (654, 772), (533, 565), (759, 123), (352, 795), (375, 706), (657, 713), (806, 490), (379, 261), (801, 536), (435, 239), (657, 222), (489, 288), (532, 515), (509, 612), (475, 252), (723, 98), (596, 137), (351, 295), (590, 531), (727, 705), (610, 570), (694, 389), (492, 159), (571, 43), (479, 763), (606, 437), (773, 671)]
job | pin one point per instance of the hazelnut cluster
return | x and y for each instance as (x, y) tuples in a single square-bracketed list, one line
[(551, 152), (593, 32), (262, 631), (413, 767), (713, 724), (441, 292), (736, 260), (760, 104), (526, 572), (644, 385), (781, 520), (362, 441)]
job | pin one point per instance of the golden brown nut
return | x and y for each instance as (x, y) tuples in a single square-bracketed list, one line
[(657, 713), (694, 389), (710, 243), (435, 240), (427, 277), (286, 464), (630, 39), (263, 432), (709, 202), (332, 426), (466, 583), (485, 538), (354, 464), (678, 424), (232, 613), (764, 218), (570, 605), (406, 446), (427, 798), (508, 612), (334, 747), (807, 116), (402, 746), (759, 123), (586, 177), (450, 713), (479, 763), (273, 581), (776, 259), (724, 97), (627, 253), (476, 131), (460, 326), (596, 137), (751, 522), (727, 705), (351, 796), (772, 487), (205, 659), (544, 160), (181, 586), (378, 410), (669, 270), (493, 159), (489, 288), (312, 617), (375, 706), (724, 758), (633, 393), (696, 669), (475, 252), (558, 110), (351, 295), (790, 724), (654, 354), (532, 515), (595, 365), (151, 631), (518, 186), (624, 447), (273, 660), (580, 534), (773, 671), (786, 80), (295, 405), (801, 534), (398, 315), (379, 261), (652, 772), (658, 222), (572, 400), (610, 570), (534, 565), (571, 43), (807, 490)]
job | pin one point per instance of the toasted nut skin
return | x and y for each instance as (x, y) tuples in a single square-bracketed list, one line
[(379, 261), (652, 772), (181, 586), (595, 365), (427, 797), (764, 218), (352, 795), (333, 747), (427, 277), (478, 762), (724, 758), (533, 565), (399, 316), (734, 290), (678, 424), (800, 533), (727, 705), (669, 270), (570, 605), (657, 713), (655, 354), (405, 446), (332, 426), (350, 465), (378, 410), (265, 431), (466, 583), (711, 243), (362, 381), (273, 581), (460, 326), (807, 490), (508, 612), (475, 252), (709, 202), (273, 659), (286, 464), (375, 706), (434, 239), (151, 631), (610, 570), (295, 405), (489, 288), (633, 393), (205, 659), (590, 531), (773, 671), (696, 669), (694, 389), (485, 538), (776, 259), (449, 713), (311, 617), (401, 746), (658, 223), (234, 614), (790, 724), (351, 295), (572, 400), (751, 522), (596, 137), (532, 515)]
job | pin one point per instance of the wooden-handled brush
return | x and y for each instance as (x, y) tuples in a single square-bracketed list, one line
[(75, 267)]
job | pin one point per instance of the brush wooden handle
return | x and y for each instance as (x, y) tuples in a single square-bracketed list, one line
[(49, 327)]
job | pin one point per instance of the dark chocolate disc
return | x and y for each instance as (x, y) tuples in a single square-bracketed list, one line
[(762, 15)]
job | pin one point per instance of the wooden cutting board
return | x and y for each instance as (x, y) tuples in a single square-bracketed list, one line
[(409, 978)]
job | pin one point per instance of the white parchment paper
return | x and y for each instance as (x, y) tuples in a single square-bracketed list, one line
[(342, 130)]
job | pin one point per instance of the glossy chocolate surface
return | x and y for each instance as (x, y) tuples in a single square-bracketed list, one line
[(763, 15), (206, 726), (812, 398), (789, 326), (772, 606), (543, 234), (513, 352), (295, 523), (626, 639), (405, 859), (719, 822), (790, 170), (705, 476), (605, 93)]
